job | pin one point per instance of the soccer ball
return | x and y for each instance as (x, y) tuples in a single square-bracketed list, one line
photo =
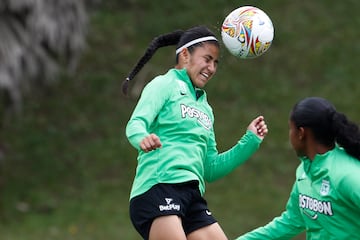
[(247, 32)]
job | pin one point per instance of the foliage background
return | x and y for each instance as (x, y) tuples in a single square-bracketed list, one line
[(68, 167)]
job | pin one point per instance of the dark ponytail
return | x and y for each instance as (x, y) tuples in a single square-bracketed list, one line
[(328, 125), (347, 134), (158, 42), (179, 38)]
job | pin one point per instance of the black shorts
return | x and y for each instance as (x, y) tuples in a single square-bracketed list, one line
[(183, 200)]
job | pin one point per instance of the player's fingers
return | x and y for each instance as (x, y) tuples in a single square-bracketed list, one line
[(259, 122), (143, 146), (263, 130), (155, 141), (150, 142), (260, 126), (259, 119)]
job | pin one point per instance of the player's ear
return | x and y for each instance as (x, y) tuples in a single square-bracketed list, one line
[(302, 133), (184, 56)]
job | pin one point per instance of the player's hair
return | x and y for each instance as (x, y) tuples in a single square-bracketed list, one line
[(327, 124), (183, 39)]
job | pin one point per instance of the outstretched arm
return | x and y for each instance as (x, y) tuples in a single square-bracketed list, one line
[(219, 165)]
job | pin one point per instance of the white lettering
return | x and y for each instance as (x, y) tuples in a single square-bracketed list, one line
[(327, 208), (315, 205), (202, 117), (169, 207)]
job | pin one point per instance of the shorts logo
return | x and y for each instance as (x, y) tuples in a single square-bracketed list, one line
[(169, 205)]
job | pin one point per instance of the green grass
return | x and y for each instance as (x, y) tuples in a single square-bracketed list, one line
[(68, 167)]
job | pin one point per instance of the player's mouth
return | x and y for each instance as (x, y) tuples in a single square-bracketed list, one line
[(205, 75)]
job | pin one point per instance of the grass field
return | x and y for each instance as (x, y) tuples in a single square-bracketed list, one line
[(68, 166)]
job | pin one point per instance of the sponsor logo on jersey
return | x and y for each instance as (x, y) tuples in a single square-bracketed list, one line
[(191, 112), (315, 205), (169, 205)]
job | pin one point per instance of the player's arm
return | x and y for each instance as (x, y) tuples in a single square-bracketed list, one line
[(219, 165), (289, 224), (146, 110)]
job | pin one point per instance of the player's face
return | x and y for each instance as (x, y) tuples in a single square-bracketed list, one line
[(202, 64), (296, 139)]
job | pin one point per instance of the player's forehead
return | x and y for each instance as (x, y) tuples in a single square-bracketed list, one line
[(208, 49)]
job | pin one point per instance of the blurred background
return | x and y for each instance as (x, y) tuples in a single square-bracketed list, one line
[(66, 167)]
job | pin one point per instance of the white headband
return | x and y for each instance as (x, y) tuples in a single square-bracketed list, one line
[(202, 39)]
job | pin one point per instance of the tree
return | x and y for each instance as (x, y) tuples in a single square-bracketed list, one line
[(37, 39)]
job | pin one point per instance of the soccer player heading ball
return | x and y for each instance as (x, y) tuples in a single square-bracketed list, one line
[(172, 129)]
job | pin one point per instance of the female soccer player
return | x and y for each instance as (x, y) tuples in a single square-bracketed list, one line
[(325, 199), (172, 129)]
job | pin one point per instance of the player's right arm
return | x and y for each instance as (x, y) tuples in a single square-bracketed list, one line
[(148, 107), (285, 226)]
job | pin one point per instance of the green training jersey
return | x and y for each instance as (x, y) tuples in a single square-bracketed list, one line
[(324, 201), (181, 117)]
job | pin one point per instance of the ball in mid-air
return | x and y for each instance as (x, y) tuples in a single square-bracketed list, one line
[(247, 32)]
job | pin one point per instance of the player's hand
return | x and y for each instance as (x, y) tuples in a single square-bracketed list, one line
[(150, 142), (259, 127)]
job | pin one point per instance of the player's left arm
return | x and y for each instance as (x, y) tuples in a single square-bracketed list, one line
[(218, 165)]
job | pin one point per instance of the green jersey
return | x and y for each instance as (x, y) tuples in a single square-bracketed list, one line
[(181, 117), (324, 201)]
